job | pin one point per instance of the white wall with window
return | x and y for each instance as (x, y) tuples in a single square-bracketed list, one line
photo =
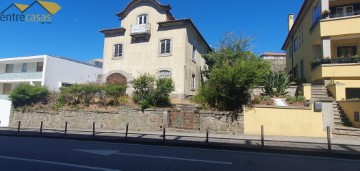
[(143, 19), (165, 47), (164, 74), (193, 82)]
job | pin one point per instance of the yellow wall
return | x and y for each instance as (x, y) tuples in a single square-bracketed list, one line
[(349, 108), (334, 27), (284, 122), (337, 70), (306, 90), (338, 90)]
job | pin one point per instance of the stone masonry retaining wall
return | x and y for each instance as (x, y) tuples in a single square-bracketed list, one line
[(150, 120)]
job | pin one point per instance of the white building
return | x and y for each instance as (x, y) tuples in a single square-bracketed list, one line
[(151, 40), (51, 72)]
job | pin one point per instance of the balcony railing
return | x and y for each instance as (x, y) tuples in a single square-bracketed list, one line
[(345, 14), (21, 76), (335, 61), (140, 29)]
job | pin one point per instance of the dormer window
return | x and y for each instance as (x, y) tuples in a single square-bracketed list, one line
[(142, 19)]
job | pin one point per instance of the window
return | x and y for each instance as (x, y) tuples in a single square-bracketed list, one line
[(296, 44), (9, 68), (165, 46), (118, 50), (164, 74), (346, 51), (317, 13), (344, 11), (193, 82), (142, 19), (356, 117), (24, 67), (193, 56), (39, 66), (7, 89)]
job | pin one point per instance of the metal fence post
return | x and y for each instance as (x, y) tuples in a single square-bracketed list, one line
[(94, 128), (66, 126), (164, 134), (41, 127), (207, 136), (262, 136), (19, 125), (328, 138), (127, 130)]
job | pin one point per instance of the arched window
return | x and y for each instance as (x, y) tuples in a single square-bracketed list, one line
[(142, 19), (164, 74)]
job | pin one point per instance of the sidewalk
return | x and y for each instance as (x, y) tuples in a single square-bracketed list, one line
[(298, 144)]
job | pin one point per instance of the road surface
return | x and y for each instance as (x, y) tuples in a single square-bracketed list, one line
[(35, 154)]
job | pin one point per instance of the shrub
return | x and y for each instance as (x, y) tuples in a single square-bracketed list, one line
[(264, 100), (114, 92), (296, 100), (151, 92), (25, 95), (276, 84)]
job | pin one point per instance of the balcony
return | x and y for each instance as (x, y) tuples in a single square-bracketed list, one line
[(344, 14), (140, 30), (335, 61), (21, 76)]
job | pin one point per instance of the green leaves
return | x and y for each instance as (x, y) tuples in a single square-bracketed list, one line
[(151, 92), (233, 71), (25, 94), (276, 84)]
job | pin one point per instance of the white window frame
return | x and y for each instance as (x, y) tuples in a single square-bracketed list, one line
[(24, 67), (7, 68), (116, 52), (344, 11), (142, 19), (161, 74), (167, 46)]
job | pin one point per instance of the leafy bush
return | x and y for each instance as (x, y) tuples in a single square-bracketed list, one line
[(296, 100), (264, 100), (25, 95), (151, 92), (85, 94), (233, 70), (276, 84)]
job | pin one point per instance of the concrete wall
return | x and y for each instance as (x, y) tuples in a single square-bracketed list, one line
[(352, 26), (59, 70), (284, 122), (349, 108), (338, 91), (257, 91)]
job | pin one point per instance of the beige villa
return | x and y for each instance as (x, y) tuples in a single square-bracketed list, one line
[(150, 40)]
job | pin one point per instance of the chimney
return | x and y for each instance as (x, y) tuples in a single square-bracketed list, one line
[(291, 21)]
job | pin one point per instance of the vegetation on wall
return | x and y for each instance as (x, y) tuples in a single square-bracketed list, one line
[(27, 95), (233, 70), (149, 91)]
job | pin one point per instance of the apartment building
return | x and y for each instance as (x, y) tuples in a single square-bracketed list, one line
[(323, 44), (51, 72), (150, 40)]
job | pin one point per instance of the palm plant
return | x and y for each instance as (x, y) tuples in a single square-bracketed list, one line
[(276, 84)]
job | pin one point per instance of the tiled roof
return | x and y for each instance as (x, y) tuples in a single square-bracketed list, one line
[(113, 30)]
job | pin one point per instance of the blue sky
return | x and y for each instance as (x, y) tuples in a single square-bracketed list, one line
[(74, 30)]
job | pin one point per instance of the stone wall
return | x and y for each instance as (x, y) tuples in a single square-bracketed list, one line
[(150, 120), (221, 123)]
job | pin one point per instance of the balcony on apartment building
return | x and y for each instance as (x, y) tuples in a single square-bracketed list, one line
[(139, 30), (344, 15), (21, 71)]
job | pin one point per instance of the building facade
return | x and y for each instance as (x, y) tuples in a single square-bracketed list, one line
[(150, 40), (277, 60), (323, 43), (51, 72)]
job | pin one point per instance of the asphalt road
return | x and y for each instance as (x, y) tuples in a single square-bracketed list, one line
[(32, 154)]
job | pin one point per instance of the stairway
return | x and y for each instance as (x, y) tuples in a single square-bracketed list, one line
[(341, 122)]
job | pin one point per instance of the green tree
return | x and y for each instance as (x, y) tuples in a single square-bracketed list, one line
[(25, 95), (233, 70)]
